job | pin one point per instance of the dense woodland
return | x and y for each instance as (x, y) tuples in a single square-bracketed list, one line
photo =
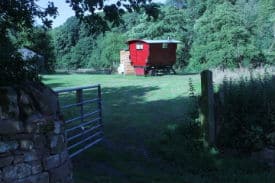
[(214, 33)]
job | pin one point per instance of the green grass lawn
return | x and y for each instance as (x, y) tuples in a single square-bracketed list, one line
[(137, 111)]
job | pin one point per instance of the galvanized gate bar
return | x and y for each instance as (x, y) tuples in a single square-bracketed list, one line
[(85, 148), (86, 139), (66, 90), (82, 133), (82, 124), (83, 116), (80, 103)]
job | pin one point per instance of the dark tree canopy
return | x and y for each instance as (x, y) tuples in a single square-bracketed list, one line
[(17, 14), (112, 12)]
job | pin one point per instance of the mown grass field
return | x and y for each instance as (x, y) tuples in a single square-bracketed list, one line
[(137, 111)]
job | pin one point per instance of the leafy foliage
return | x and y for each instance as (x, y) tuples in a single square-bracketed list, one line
[(106, 52), (38, 40), (221, 40), (13, 69), (72, 45), (86, 10), (247, 113), (76, 48), (16, 15)]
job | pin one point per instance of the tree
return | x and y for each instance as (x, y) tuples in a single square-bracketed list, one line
[(16, 15), (73, 43), (177, 3), (38, 40), (106, 51), (86, 10), (221, 40), (264, 24)]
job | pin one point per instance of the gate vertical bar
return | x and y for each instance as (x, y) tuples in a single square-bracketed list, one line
[(99, 103), (79, 99), (100, 107)]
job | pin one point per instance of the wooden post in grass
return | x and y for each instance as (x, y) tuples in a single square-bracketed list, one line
[(207, 107)]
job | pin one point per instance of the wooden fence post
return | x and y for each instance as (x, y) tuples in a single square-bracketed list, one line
[(207, 107)]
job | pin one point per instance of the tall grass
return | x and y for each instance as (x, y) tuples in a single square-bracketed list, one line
[(237, 74), (246, 108)]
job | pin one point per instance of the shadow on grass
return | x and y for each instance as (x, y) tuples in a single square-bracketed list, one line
[(132, 122), (133, 149)]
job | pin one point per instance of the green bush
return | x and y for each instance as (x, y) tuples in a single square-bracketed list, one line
[(247, 113)]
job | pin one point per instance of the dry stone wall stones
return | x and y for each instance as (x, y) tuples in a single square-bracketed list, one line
[(18, 159), (6, 161), (8, 146), (8, 103), (32, 136), (15, 172), (57, 143), (1, 176), (62, 174), (26, 145), (10, 127), (26, 105), (52, 162), (45, 98), (34, 118), (36, 167), (39, 178), (39, 141), (64, 156), (31, 127), (58, 127), (32, 156)]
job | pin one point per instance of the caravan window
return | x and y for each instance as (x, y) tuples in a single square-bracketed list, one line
[(165, 45), (139, 46)]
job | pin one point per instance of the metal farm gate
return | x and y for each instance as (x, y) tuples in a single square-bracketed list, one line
[(83, 117)]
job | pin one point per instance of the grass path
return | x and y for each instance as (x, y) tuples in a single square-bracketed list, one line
[(136, 112)]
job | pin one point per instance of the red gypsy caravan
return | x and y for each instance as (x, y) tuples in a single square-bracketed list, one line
[(151, 56)]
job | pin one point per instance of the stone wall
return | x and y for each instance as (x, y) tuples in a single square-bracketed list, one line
[(32, 140)]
